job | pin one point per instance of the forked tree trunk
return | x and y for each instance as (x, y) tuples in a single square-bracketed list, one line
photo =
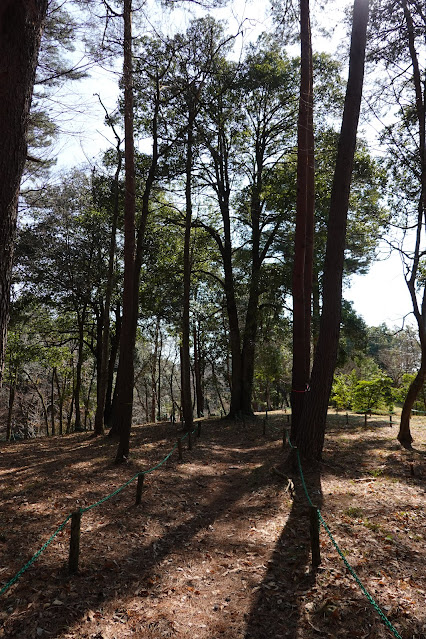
[(310, 436), (21, 23)]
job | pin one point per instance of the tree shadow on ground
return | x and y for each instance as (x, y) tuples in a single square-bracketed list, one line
[(116, 574), (277, 608)]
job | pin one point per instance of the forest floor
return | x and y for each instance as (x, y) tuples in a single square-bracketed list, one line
[(219, 546)]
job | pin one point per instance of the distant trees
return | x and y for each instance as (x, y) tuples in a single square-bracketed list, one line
[(206, 241), (399, 29)]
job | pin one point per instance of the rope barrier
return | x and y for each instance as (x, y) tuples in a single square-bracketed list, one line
[(370, 598), (34, 558), (339, 551)]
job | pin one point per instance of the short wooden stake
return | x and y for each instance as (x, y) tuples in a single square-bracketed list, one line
[(314, 534), (199, 430), (139, 488), (347, 418), (365, 419), (266, 414), (390, 421), (179, 443), (74, 542), (190, 441)]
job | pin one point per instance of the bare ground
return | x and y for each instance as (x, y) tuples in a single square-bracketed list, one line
[(219, 547)]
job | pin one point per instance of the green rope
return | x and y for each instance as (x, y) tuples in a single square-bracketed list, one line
[(345, 561), (34, 557), (84, 510), (359, 582), (115, 492)]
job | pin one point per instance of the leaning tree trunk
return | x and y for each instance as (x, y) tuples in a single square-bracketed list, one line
[(310, 438), (404, 434), (21, 23)]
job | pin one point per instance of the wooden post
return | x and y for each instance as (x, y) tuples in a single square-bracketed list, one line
[(139, 487), (74, 542), (390, 421), (365, 419), (199, 430), (314, 534), (190, 441), (347, 419), (264, 427), (266, 414), (179, 443)]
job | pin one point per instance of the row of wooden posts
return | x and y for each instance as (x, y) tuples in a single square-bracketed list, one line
[(74, 550)]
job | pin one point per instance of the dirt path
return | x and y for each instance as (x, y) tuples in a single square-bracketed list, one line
[(218, 547)]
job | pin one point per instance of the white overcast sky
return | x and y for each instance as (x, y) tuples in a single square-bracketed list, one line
[(380, 296)]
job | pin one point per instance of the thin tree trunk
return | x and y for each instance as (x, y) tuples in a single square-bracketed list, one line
[(78, 381), (187, 267), (159, 357), (52, 401), (197, 374), (154, 373), (110, 399), (310, 437), (12, 394), (21, 24), (61, 395), (103, 373)]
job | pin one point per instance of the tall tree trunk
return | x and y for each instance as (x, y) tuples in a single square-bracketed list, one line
[(21, 23), (310, 436), (103, 373), (134, 251), (303, 244), (187, 268), (127, 341)]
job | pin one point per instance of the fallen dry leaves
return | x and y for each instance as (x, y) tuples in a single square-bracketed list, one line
[(218, 547)]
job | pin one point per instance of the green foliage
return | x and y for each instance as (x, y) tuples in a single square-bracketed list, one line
[(372, 395)]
